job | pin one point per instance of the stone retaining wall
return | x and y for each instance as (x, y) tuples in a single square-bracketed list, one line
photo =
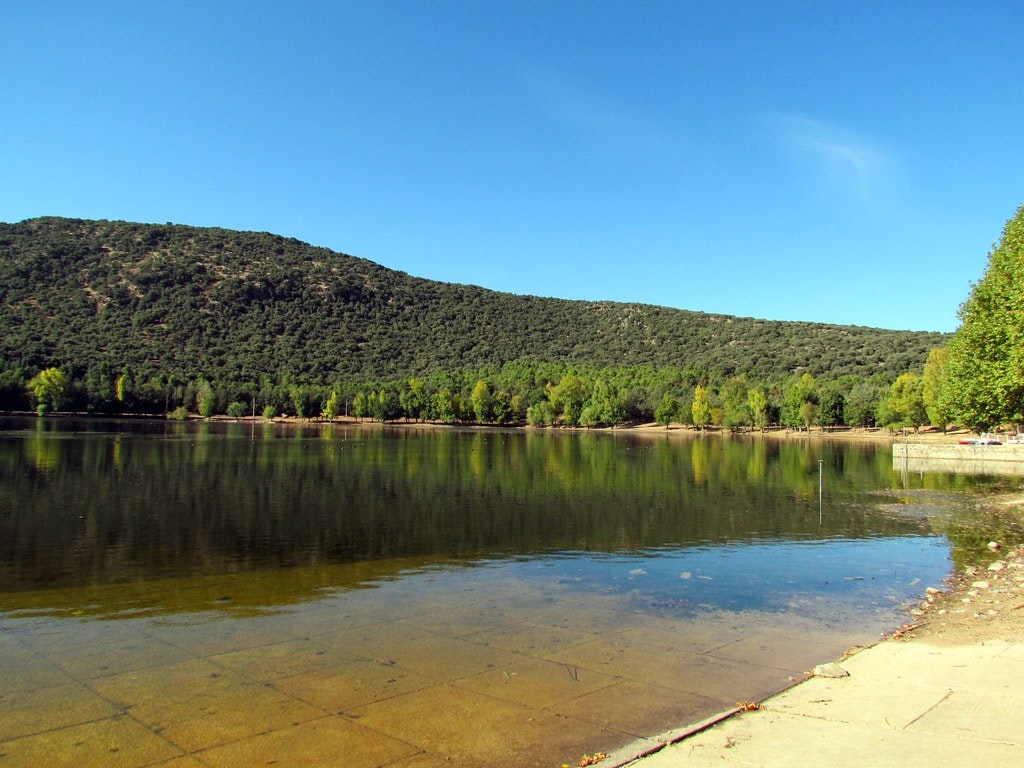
[(962, 459)]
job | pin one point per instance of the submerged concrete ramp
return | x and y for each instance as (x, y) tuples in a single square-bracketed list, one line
[(904, 703)]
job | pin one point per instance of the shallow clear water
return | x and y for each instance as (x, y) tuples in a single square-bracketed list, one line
[(362, 581)]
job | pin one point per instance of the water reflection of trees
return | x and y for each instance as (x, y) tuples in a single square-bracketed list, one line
[(99, 508)]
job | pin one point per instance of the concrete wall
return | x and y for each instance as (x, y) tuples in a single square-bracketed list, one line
[(961, 459)]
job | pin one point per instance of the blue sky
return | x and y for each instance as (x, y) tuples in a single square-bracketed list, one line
[(834, 162)]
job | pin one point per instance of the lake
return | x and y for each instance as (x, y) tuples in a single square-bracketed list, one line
[(231, 593)]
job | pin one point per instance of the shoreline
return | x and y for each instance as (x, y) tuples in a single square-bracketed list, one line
[(653, 429), (972, 625), (645, 429)]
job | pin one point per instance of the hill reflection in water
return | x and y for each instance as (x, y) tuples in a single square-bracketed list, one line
[(239, 592), (157, 500)]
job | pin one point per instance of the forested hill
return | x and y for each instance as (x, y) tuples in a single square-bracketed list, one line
[(184, 301)]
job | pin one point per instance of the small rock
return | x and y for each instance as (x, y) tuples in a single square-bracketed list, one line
[(998, 565), (933, 591), (980, 585), (830, 670), (994, 546)]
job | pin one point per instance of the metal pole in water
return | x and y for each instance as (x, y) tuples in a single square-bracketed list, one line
[(821, 465)]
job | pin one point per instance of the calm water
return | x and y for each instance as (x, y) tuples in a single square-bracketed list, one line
[(578, 590)]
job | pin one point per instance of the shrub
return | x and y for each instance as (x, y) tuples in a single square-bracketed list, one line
[(237, 410), (178, 414)]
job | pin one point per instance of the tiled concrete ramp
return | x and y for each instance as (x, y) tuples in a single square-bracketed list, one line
[(904, 704)]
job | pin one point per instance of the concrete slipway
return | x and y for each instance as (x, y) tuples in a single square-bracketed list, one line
[(904, 703)]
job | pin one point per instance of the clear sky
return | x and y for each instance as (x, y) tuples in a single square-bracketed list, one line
[(828, 161)]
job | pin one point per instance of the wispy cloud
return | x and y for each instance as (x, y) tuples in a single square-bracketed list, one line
[(594, 113), (838, 157)]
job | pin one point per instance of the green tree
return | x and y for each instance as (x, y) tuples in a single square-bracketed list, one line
[(99, 387), (603, 407), (237, 409), (542, 414), (383, 404), (984, 381), (667, 410), (270, 393), (413, 398), (125, 386), (932, 382), (518, 407), (758, 407), (798, 393), (568, 397), (904, 406), (48, 389), (360, 407), (303, 400), (861, 405), (831, 403), (482, 401), (736, 410), (501, 407), (808, 414), (206, 398), (389, 408), (701, 407), (332, 407), (444, 405)]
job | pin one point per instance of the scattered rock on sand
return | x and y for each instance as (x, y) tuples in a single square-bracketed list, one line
[(830, 670), (983, 602)]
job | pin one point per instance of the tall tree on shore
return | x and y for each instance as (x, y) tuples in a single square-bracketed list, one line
[(332, 406), (984, 383), (800, 402), (482, 401), (49, 390), (125, 386), (758, 408), (444, 406), (667, 410), (413, 398), (933, 379), (701, 406), (568, 396), (904, 406), (736, 412)]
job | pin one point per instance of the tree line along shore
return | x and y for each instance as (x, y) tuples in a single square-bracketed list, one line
[(520, 394)]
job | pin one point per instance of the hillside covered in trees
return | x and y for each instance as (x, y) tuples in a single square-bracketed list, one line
[(167, 306)]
